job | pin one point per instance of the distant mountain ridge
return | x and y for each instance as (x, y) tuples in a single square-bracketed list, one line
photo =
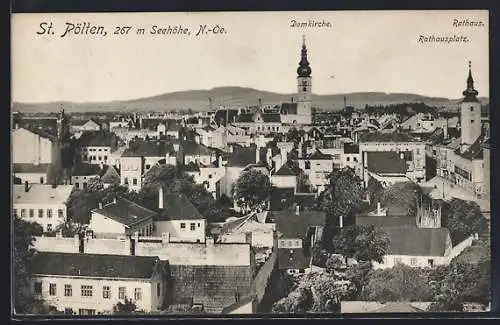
[(198, 100)]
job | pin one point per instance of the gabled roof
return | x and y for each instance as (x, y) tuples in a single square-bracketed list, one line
[(41, 193), (84, 169), (148, 149), (178, 207), (271, 118), (386, 162), (96, 139), (474, 152), (318, 155), (125, 212), (31, 168), (285, 171), (193, 148), (94, 265), (242, 157), (386, 221), (110, 176), (291, 225), (416, 241)]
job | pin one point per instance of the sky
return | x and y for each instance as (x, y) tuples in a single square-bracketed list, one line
[(361, 52)]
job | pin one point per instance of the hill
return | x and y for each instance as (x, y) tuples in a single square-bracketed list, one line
[(197, 100)]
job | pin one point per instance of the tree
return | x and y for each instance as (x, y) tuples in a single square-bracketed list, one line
[(126, 307), (335, 262), (402, 198), (358, 274), (341, 198), (23, 252), (251, 189), (293, 135), (364, 243), (400, 283), (375, 191), (463, 218)]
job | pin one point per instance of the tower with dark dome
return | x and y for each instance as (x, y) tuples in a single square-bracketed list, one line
[(304, 87), (470, 114)]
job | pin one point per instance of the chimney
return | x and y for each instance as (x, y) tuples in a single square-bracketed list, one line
[(257, 155), (100, 205), (378, 208), (260, 102), (160, 198), (341, 221), (165, 238), (26, 186), (114, 200), (297, 209)]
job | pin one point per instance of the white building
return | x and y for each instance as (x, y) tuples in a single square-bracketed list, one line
[(317, 166), (97, 147), (179, 219), (43, 204), (84, 173), (121, 218), (84, 125), (91, 284)]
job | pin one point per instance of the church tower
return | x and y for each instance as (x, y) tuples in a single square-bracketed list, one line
[(304, 87), (470, 114)]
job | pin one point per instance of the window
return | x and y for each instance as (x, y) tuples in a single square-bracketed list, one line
[(183, 225), (38, 288), (137, 294), (413, 261), (105, 157), (472, 121), (41, 180), (49, 213), (40, 213), (60, 213), (348, 159), (100, 158), (472, 108), (23, 213), (77, 185), (430, 262), (199, 224), (209, 175), (106, 292), (307, 165), (52, 289), (68, 311), (86, 291), (86, 312), (32, 213), (68, 290), (49, 227), (121, 293), (397, 260), (148, 166), (100, 150), (15, 212), (158, 289), (355, 159), (126, 180), (134, 181), (84, 185), (192, 226)]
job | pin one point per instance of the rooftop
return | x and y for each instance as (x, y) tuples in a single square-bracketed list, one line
[(387, 162), (474, 152), (94, 265), (242, 157), (386, 221), (110, 176), (285, 171), (291, 225), (351, 148), (125, 212), (84, 169), (178, 207), (193, 148), (96, 139), (41, 193), (386, 137), (148, 149), (31, 168), (417, 241), (318, 155)]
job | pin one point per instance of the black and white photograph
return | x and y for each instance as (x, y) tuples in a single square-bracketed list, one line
[(245, 163)]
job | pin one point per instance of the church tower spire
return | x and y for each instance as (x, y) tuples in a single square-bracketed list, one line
[(470, 94), (304, 70)]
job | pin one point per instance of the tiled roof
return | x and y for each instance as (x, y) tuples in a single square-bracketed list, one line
[(148, 149), (97, 139), (110, 176), (386, 221), (386, 137), (474, 152), (295, 258), (84, 169), (178, 207), (291, 225), (288, 108), (245, 118), (271, 118), (41, 193), (386, 162), (285, 171), (351, 148), (125, 212), (416, 241), (242, 157), (193, 148), (318, 155), (31, 168), (94, 265)]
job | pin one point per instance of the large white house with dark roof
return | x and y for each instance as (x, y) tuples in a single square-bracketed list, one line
[(43, 204), (92, 284)]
